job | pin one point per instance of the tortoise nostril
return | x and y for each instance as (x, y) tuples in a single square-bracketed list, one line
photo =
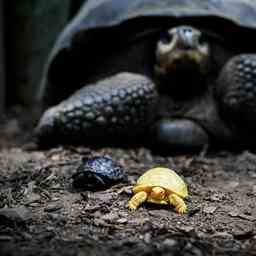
[(187, 30)]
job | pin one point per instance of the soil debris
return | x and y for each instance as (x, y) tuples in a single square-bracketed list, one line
[(40, 213)]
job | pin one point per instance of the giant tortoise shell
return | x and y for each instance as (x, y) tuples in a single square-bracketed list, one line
[(110, 53)]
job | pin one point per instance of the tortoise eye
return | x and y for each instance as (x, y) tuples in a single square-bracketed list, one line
[(166, 38)]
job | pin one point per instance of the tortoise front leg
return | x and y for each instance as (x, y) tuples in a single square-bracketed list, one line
[(179, 134), (178, 203), (137, 200), (236, 94), (121, 105)]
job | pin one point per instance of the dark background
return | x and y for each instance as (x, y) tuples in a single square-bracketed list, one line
[(28, 29)]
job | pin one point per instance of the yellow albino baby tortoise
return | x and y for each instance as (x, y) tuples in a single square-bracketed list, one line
[(161, 186)]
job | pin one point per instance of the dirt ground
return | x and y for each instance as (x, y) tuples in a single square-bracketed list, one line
[(40, 212)]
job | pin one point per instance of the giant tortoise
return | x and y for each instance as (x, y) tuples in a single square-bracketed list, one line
[(179, 74)]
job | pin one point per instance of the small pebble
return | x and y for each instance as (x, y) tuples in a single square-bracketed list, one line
[(32, 198), (169, 242), (5, 238), (209, 209), (16, 214), (52, 207), (122, 221), (234, 213), (186, 229), (147, 237), (49, 228)]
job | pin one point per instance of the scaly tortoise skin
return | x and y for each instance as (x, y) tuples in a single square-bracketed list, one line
[(175, 74), (160, 186)]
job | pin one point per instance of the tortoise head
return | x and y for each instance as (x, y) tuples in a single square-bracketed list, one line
[(87, 178), (182, 48), (182, 52), (157, 193)]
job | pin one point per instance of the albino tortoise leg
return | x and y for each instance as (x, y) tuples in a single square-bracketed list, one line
[(137, 200), (236, 94), (179, 134), (178, 203), (119, 106)]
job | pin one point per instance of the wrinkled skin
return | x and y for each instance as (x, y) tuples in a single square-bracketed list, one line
[(176, 107)]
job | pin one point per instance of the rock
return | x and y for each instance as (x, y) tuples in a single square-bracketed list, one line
[(49, 228), (122, 221), (110, 217), (169, 242), (18, 214), (52, 207), (234, 213), (232, 184), (187, 229), (32, 198), (217, 197), (209, 209), (5, 238)]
